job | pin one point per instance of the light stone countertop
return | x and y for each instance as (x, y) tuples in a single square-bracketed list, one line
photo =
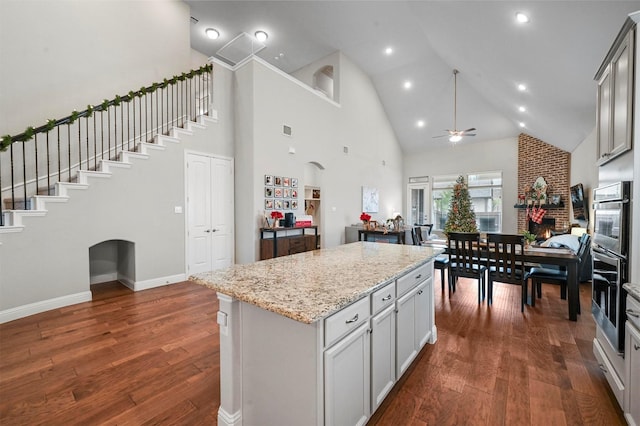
[(309, 286), (633, 289)]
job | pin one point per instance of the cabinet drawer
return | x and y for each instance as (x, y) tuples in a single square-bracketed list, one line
[(633, 311), (342, 322), (382, 298), (413, 278), (296, 245), (609, 372)]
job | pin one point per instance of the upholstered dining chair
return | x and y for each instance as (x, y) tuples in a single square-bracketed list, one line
[(540, 274), (505, 265), (464, 259)]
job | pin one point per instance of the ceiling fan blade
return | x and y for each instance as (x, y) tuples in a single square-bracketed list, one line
[(469, 134), (469, 130)]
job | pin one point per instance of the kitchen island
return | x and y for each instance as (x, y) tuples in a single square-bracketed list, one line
[(321, 337)]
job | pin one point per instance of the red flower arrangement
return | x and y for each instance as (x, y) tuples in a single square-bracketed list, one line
[(365, 217), (276, 215)]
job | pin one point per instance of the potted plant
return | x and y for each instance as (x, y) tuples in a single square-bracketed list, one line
[(276, 216), (365, 218), (528, 238)]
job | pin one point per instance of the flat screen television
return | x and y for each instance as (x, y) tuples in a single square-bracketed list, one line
[(579, 202)]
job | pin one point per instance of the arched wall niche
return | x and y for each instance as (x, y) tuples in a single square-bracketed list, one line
[(112, 260)]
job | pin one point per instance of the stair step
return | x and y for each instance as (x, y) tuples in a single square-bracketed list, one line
[(177, 131), (207, 119), (146, 146), (191, 125), (7, 229), (19, 204), (14, 217), (108, 165), (84, 175), (40, 201), (162, 139), (125, 156), (62, 188)]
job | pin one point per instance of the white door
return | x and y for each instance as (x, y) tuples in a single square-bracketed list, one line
[(209, 213), (418, 203)]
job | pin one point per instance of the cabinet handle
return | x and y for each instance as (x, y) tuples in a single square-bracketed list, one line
[(419, 276), (604, 370), (354, 319), (633, 313), (207, 230), (388, 297), (420, 292), (636, 346)]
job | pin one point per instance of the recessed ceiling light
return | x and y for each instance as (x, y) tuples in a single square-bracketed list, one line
[(521, 124), (522, 87), (420, 123), (212, 33), (455, 138), (522, 18), (261, 36), (388, 50), (522, 109), (407, 84)]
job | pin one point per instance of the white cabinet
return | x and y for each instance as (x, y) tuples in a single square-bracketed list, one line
[(413, 325), (632, 363), (383, 355), (346, 376), (615, 97)]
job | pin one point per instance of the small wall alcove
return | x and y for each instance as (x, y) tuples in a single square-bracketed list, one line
[(323, 80), (112, 260)]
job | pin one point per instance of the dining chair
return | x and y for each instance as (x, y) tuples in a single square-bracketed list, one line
[(440, 262), (505, 265), (540, 274), (464, 259)]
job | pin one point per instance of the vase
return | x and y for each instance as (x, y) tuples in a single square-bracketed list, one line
[(365, 225)]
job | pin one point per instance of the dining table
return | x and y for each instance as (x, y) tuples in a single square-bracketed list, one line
[(535, 254)]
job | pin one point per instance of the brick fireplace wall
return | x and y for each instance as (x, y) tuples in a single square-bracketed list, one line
[(537, 158)]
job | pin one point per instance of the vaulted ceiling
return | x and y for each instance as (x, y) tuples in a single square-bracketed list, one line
[(555, 55)]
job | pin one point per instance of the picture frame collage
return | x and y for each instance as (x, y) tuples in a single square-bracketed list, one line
[(280, 193)]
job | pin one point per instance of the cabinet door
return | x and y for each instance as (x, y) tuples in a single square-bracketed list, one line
[(603, 118), (622, 92), (423, 313), (347, 379), (406, 349), (383, 355), (632, 388)]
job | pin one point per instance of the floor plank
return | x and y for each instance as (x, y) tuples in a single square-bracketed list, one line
[(152, 357)]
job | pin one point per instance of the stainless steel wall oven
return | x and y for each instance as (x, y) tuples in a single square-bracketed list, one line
[(610, 249)]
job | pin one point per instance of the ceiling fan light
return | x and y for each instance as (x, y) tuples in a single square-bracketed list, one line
[(455, 138), (522, 18)]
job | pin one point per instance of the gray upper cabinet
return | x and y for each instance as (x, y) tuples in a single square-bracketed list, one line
[(615, 98)]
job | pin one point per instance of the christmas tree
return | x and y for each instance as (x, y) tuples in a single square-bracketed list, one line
[(461, 217)]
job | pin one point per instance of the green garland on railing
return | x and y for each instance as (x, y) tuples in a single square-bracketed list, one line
[(30, 132)]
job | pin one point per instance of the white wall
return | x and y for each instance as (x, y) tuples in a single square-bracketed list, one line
[(62, 55), (321, 129), (585, 171), (469, 157)]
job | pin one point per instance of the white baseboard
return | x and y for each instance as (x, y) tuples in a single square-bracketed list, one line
[(157, 282), (103, 278), (44, 305), (226, 419)]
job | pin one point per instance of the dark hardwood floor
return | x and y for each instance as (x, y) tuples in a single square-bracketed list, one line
[(152, 358)]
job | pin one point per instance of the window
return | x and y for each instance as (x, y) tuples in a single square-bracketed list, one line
[(485, 190)]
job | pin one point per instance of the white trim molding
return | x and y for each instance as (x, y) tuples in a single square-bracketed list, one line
[(43, 306)]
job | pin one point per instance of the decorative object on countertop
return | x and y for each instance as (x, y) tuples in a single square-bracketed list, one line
[(276, 216), (461, 217), (365, 218)]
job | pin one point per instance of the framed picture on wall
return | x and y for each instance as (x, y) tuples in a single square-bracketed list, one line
[(277, 192), (268, 180), (286, 204), (294, 193), (286, 181), (286, 193), (555, 199), (370, 199), (268, 192), (268, 204), (277, 204), (294, 182), (294, 204), (277, 181)]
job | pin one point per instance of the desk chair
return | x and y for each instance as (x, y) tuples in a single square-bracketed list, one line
[(503, 264), (441, 262), (464, 259), (539, 275)]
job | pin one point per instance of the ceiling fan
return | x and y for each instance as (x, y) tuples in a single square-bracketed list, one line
[(456, 135)]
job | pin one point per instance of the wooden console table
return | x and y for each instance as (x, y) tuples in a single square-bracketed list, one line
[(398, 235), (275, 242)]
